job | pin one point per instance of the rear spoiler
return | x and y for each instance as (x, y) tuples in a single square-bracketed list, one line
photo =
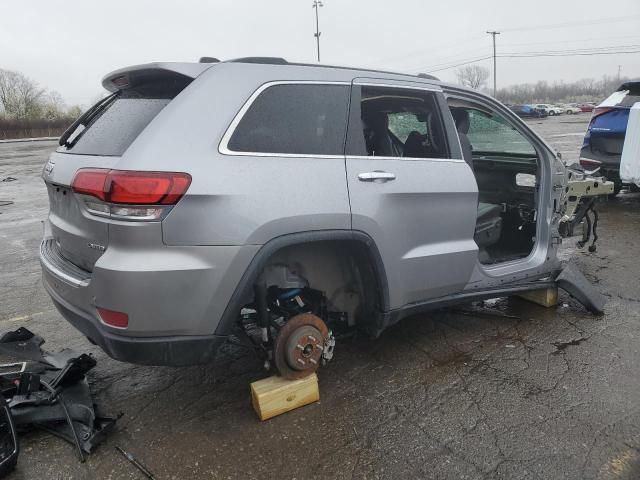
[(633, 87), (152, 72)]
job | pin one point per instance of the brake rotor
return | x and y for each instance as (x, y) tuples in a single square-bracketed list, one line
[(299, 346)]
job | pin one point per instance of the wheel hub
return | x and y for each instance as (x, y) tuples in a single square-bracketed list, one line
[(304, 348), (300, 346)]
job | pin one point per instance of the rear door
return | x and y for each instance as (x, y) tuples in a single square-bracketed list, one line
[(407, 192)]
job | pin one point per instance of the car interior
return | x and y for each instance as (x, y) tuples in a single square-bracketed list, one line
[(504, 163)]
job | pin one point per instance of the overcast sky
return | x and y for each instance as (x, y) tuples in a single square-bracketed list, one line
[(69, 45)]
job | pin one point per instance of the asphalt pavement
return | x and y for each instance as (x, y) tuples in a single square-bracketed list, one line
[(498, 390)]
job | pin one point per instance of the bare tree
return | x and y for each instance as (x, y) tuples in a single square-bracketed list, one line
[(53, 106), (473, 76), (20, 96), (9, 91)]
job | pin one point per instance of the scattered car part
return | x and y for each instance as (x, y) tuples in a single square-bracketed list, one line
[(144, 470), (49, 391), (583, 193), (9, 445), (572, 281)]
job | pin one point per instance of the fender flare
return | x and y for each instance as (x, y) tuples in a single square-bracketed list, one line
[(259, 261)]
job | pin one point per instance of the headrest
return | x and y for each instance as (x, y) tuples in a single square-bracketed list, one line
[(461, 117)]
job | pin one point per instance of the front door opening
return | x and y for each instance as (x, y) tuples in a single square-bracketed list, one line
[(506, 168)]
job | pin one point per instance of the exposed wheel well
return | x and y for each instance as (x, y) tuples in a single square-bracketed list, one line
[(345, 265), (339, 268)]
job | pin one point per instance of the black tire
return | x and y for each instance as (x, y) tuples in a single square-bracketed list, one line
[(552, 113)]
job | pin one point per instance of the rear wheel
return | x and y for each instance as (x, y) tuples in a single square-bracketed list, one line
[(551, 113)]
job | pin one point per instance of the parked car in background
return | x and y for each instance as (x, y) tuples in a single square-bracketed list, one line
[(527, 111), (603, 142), (549, 109), (570, 109), (586, 107)]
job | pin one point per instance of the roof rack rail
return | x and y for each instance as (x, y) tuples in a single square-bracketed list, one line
[(208, 60), (427, 76), (263, 60)]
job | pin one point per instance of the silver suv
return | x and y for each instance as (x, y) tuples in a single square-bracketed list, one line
[(288, 202)]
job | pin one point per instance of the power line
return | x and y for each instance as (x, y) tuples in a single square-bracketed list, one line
[(558, 53), (578, 50), (588, 54), (475, 60), (573, 24)]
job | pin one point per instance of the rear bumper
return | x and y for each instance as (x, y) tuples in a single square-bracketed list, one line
[(174, 298), (170, 351), (610, 167)]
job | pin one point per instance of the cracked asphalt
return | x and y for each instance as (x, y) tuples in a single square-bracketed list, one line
[(497, 390)]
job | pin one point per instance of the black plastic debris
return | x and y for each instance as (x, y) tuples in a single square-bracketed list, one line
[(50, 392)]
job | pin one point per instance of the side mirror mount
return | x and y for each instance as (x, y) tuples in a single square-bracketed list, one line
[(9, 447)]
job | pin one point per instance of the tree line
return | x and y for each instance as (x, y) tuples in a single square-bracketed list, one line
[(28, 110), (584, 90)]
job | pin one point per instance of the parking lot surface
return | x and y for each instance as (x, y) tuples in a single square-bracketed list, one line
[(499, 390)]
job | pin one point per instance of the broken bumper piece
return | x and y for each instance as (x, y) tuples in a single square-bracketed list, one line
[(49, 391), (572, 281)]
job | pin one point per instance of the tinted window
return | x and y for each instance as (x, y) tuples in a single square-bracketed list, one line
[(397, 122), (294, 119), (116, 127)]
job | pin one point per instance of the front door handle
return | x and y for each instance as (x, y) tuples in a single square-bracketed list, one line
[(377, 176)]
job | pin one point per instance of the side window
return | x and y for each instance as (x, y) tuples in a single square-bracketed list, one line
[(306, 119), (491, 133), (397, 122)]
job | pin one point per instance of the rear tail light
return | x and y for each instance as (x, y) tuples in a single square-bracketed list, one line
[(590, 166), (130, 195), (113, 318), (599, 111), (590, 163)]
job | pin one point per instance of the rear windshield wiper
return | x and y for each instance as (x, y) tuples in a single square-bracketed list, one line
[(71, 134)]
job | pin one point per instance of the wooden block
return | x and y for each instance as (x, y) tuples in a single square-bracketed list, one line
[(547, 297), (275, 395)]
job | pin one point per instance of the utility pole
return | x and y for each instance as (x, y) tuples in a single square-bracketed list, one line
[(493, 34), (619, 68), (317, 4)]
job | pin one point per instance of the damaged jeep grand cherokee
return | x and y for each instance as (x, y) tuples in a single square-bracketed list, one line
[(286, 202)]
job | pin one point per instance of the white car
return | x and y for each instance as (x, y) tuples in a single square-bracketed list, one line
[(550, 109), (571, 109)]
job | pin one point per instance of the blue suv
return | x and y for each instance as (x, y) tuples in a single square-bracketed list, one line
[(602, 146)]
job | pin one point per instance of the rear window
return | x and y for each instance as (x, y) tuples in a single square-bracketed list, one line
[(294, 119), (111, 126), (118, 126)]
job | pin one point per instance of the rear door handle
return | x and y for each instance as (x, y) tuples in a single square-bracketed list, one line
[(376, 176)]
